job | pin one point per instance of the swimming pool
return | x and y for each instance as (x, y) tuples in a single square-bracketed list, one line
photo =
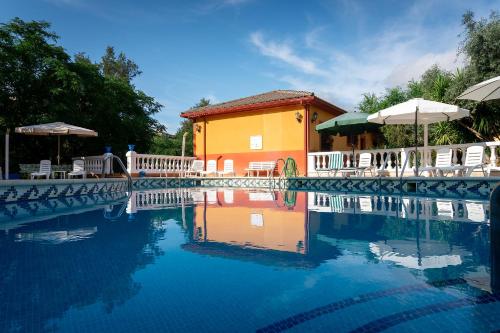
[(227, 260)]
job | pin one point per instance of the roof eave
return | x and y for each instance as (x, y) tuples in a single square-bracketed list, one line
[(307, 100)]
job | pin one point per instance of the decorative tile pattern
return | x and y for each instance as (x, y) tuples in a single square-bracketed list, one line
[(471, 188), (19, 191)]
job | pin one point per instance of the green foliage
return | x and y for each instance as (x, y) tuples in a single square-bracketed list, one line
[(40, 82), (118, 67), (166, 144), (481, 47)]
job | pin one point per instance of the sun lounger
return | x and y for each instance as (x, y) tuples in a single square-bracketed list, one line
[(211, 168), (195, 169), (78, 169), (228, 169), (335, 162), (44, 171), (474, 156), (365, 164), (443, 163)]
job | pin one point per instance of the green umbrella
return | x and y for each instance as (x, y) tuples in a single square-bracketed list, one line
[(351, 123)]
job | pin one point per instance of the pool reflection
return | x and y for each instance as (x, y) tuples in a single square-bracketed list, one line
[(73, 261)]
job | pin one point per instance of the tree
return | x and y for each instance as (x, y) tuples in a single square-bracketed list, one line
[(40, 82), (481, 46), (166, 144), (119, 67)]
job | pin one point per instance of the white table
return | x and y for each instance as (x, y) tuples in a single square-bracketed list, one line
[(60, 172)]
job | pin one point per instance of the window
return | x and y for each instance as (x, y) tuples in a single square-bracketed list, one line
[(325, 142)]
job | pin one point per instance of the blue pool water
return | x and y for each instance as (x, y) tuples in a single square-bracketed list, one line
[(243, 261)]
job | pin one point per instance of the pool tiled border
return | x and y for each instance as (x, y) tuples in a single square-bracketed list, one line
[(446, 187), (27, 190)]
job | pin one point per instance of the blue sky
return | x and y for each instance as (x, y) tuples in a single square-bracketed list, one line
[(226, 49)]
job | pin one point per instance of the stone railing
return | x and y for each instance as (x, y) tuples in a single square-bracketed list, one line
[(98, 164), (402, 207), (157, 164), (401, 161)]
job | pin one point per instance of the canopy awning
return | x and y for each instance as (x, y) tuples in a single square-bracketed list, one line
[(57, 128), (484, 91), (347, 124)]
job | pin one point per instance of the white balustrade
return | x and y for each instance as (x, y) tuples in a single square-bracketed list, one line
[(393, 160), (157, 164), (98, 165)]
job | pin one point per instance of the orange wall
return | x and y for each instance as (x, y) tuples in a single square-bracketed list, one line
[(314, 136), (228, 137)]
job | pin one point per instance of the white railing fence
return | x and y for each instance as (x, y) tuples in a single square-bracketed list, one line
[(393, 160), (157, 164), (98, 164)]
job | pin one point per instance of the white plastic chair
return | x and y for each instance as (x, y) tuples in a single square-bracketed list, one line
[(474, 156), (44, 171), (228, 168), (443, 163), (365, 164), (196, 168), (211, 168), (78, 169)]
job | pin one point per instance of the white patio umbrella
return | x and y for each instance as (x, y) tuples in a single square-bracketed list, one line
[(484, 91), (58, 129), (418, 111)]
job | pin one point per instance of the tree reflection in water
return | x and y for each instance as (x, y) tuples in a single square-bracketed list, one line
[(43, 276)]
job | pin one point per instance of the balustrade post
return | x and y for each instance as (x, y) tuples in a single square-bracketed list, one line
[(131, 162), (311, 163), (108, 162), (493, 155)]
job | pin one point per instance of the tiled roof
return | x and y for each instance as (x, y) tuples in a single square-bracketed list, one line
[(268, 99)]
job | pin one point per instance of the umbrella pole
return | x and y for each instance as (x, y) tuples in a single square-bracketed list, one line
[(352, 145), (6, 154), (425, 160), (58, 150), (416, 141)]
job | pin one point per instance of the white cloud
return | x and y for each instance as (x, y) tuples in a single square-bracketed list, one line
[(284, 52), (399, 52)]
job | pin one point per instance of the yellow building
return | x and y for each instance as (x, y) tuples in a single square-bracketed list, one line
[(265, 127)]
